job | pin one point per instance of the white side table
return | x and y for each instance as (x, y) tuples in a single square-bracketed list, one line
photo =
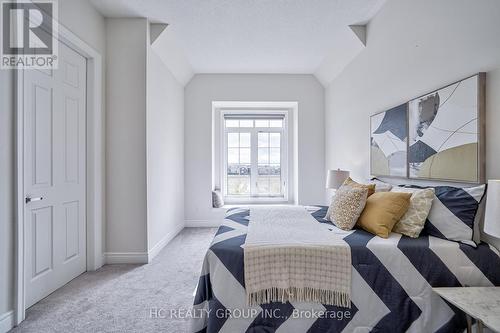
[(480, 303)]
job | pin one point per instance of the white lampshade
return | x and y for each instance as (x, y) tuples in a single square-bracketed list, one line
[(335, 178), (492, 213)]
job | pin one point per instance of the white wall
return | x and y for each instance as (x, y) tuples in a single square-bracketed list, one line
[(7, 209), (84, 21), (172, 55), (126, 230), (205, 88), (145, 150), (413, 48), (165, 153)]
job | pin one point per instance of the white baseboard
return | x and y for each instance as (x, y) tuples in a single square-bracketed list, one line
[(163, 242), (6, 321), (203, 223), (141, 257), (125, 257)]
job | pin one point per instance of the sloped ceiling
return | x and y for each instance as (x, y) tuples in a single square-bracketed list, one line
[(257, 36), (165, 44)]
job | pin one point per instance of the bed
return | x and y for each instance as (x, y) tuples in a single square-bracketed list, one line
[(391, 284)]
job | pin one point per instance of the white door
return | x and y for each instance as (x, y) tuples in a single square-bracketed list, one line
[(54, 175)]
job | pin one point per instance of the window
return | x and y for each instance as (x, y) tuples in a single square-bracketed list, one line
[(254, 152)]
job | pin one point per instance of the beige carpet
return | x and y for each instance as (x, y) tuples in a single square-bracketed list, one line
[(120, 298)]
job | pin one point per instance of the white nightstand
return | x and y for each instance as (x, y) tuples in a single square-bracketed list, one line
[(480, 303)]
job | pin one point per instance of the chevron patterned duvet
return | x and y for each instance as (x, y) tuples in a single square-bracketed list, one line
[(391, 285)]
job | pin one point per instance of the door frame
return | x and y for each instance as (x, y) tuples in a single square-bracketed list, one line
[(95, 168)]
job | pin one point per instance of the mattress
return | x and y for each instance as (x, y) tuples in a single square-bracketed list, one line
[(391, 291)]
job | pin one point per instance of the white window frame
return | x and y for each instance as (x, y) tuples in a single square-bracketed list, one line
[(254, 148)]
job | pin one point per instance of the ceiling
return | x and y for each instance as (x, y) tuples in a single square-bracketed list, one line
[(253, 36)]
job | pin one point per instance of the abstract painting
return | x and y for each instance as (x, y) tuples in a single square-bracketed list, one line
[(444, 133), (389, 140)]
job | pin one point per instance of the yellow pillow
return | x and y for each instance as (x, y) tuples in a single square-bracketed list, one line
[(352, 183), (382, 211)]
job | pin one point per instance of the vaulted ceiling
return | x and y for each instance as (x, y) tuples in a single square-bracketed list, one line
[(257, 36)]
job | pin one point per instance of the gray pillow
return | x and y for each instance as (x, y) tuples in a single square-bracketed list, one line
[(217, 199)]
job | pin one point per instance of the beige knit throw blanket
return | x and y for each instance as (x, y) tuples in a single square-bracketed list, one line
[(289, 256)]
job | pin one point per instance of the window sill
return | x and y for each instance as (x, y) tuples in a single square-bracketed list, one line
[(236, 205), (234, 200)]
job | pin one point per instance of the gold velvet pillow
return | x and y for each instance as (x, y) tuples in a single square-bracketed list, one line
[(382, 211), (352, 183)]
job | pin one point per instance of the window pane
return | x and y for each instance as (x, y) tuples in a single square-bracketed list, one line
[(263, 157), (263, 185), (238, 185), (275, 185), (275, 139), (244, 170), (269, 169), (261, 123), (276, 123), (263, 139), (240, 153), (244, 139), (274, 170), (238, 169), (246, 123), (269, 185), (232, 140), (233, 169), (264, 170), (232, 123), (232, 156), (275, 155), (245, 155)]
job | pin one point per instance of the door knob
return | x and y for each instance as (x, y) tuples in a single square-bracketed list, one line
[(30, 199)]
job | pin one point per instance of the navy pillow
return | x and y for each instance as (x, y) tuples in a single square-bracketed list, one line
[(453, 212)]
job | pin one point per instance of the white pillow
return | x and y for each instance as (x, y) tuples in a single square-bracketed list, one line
[(380, 186), (329, 211)]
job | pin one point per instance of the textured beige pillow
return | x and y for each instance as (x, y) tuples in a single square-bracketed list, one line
[(352, 183), (347, 205), (412, 223)]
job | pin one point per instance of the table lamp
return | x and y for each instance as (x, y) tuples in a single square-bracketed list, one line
[(335, 178)]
